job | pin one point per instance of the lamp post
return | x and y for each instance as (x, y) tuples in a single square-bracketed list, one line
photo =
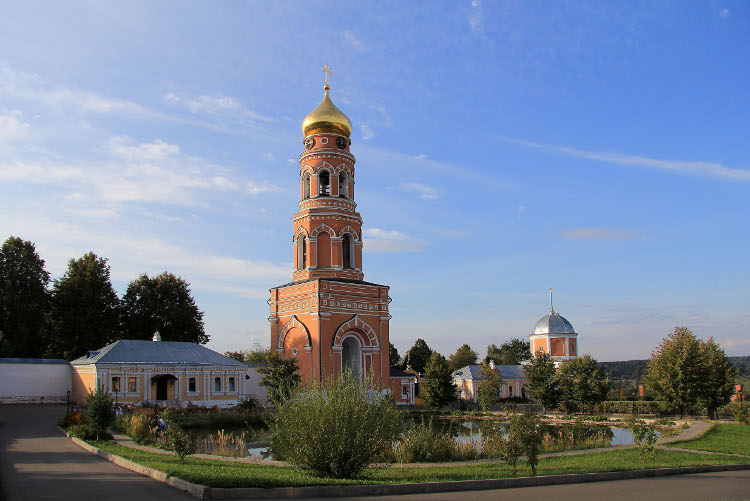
[(67, 403)]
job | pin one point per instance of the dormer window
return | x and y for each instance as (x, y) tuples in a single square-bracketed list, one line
[(324, 184)]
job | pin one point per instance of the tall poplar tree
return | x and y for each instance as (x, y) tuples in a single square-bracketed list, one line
[(418, 356), (85, 313), (24, 298)]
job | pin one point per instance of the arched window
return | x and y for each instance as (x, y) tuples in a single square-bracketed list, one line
[(301, 252), (306, 186), (346, 250), (351, 356), (324, 184), (343, 185)]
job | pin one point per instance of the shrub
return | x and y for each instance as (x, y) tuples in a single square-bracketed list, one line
[(180, 442), (511, 450), (100, 412), (140, 427), (82, 431), (424, 443), (740, 412), (645, 436), (336, 429), (526, 429), (73, 418), (248, 404)]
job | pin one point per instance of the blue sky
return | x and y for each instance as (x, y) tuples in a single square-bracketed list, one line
[(600, 148)]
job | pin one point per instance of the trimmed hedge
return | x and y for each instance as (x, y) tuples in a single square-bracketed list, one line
[(628, 407)]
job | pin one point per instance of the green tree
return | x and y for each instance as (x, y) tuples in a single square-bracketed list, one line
[(85, 311), (675, 370), (280, 376), (6, 349), (100, 413), (582, 383), (162, 303), (437, 383), (24, 298), (489, 386), (511, 352), (464, 356), (336, 429), (718, 378), (418, 356), (393, 357), (543, 386), (258, 354)]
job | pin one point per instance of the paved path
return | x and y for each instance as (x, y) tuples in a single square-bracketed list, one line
[(38, 463), (696, 429)]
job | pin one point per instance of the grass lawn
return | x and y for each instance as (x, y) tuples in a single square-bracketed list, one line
[(731, 438), (229, 474)]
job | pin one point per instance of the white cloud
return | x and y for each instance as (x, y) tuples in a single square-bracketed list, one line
[(424, 191), (32, 88), (421, 156), (710, 169), (268, 157), (257, 188), (351, 39), (520, 211), (367, 132), (378, 240), (475, 17), (215, 105), (157, 150), (724, 13), (600, 234), (12, 127)]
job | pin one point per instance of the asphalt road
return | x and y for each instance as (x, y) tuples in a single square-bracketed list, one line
[(38, 463)]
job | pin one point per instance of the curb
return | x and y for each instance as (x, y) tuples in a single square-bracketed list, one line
[(205, 492)]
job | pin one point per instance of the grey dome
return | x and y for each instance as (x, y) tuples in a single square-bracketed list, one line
[(553, 324)]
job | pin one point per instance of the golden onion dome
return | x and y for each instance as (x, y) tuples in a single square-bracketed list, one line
[(326, 117)]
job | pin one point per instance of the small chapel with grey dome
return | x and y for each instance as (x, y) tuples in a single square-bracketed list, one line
[(553, 334)]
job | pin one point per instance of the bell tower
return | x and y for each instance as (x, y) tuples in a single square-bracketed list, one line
[(328, 317)]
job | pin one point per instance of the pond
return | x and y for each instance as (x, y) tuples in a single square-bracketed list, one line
[(557, 437)]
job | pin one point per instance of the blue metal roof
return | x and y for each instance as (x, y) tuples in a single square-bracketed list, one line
[(46, 361), (129, 351), (475, 372)]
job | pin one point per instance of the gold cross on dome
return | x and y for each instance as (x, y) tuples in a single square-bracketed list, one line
[(328, 72)]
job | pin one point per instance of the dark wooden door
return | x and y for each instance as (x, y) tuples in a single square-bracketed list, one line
[(161, 388)]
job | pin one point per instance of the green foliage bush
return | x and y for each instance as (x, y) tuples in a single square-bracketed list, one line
[(180, 442), (740, 411), (337, 429), (645, 436), (100, 412), (627, 407), (84, 432), (527, 430), (423, 442), (73, 418)]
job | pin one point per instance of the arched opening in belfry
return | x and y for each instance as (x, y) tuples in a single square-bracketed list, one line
[(343, 185), (351, 356), (301, 252), (324, 184), (346, 250), (306, 186)]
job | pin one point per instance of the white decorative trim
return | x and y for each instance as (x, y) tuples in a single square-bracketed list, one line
[(293, 322)]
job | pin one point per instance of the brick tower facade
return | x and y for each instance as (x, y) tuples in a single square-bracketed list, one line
[(328, 317)]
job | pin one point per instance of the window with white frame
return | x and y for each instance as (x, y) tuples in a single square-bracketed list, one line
[(231, 384), (192, 386), (217, 384), (404, 391), (132, 384), (115, 384)]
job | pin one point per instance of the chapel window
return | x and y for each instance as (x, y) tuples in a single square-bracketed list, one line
[(346, 250), (115, 384), (343, 185), (306, 186), (510, 391), (231, 384), (132, 384), (404, 391), (217, 384), (191, 385), (324, 184)]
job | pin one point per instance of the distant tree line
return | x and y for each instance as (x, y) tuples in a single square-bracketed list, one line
[(80, 311)]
